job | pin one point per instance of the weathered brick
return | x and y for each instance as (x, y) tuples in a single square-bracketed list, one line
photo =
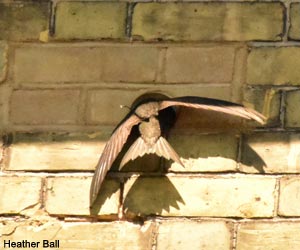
[(19, 194), (294, 32), (23, 21), (90, 20), (204, 153), (194, 235), (130, 63), (231, 196), (265, 101), (268, 235), (292, 118), (78, 235), (274, 65), (289, 196), (100, 100), (55, 152), (61, 63), (74, 191), (210, 21), (5, 91), (57, 64), (201, 64), (67, 151), (3, 61), (271, 153), (44, 106)]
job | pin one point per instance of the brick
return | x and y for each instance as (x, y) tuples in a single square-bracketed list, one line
[(268, 235), (67, 151), (204, 65), (44, 106), (74, 191), (23, 21), (216, 21), (289, 196), (100, 100), (292, 118), (3, 61), (61, 63), (19, 194), (294, 32), (265, 101), (57, 64), (55, 152), (274, 65), (5, 91), (90, 20), (194, 235), (130, 64), (204, 153), (80, 235), (231, 196), (271, 153)]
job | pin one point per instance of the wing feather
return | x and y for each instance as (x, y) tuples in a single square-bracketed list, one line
[(214, 105), (111, 150)]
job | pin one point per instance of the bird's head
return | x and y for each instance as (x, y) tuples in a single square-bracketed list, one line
[(146, 110)]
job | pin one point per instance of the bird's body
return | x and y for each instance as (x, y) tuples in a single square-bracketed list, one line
[(152, 119), (150, 130)]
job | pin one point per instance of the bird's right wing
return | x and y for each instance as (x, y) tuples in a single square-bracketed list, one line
[(110, 152), (214, 105)]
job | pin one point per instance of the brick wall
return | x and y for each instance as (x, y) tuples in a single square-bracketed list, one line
[(65, 68)]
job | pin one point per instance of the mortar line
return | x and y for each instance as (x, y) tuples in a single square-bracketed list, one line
[(234, 236), (52, 17), (276, 197), (282, 110), (286, 21), (128, 21)]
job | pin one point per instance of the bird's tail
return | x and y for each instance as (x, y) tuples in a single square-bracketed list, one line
[(140, 148)]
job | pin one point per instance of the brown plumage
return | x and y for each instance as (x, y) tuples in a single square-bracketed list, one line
[(146, 114)]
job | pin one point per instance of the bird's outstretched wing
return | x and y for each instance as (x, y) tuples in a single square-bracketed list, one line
[(111, 150), (214, 105)]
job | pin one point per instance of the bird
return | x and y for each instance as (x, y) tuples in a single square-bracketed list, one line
[(152, 120)]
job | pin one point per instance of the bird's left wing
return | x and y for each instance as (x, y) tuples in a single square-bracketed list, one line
[(111, 150), (214, 105)]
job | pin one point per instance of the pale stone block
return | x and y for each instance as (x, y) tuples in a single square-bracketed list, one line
[(19, 193), (55, 152), (271, 153), (70, 196), (201, 64), (268, 235), (182, 235), (81, 235), (90, 20), (274, 65), (205, 153), (210, 21), (231, 196), (23, 21), (289, 196), (44, 107)]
